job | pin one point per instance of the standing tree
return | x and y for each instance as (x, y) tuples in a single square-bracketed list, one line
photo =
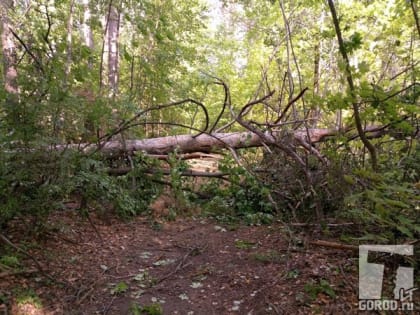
[(9, 50)]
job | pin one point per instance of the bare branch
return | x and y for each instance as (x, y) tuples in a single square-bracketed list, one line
[(291, 102), (124, 125), (30, 53)]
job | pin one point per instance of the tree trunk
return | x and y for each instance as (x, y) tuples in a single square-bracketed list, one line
[(9, 50), (210, 143), (349, 77), (69, 43), (112, 38), (85, 27)]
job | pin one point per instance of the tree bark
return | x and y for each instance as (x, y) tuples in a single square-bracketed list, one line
[(9, 50), (85, 27), (69, 43), (113, 54), (211, 143)]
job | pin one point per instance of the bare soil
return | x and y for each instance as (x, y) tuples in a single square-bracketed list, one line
[(187, 266)]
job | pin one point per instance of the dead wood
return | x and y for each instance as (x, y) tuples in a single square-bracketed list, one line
[(208, 143), (334, 245), (191, 173), (6, 274), (20, 250)]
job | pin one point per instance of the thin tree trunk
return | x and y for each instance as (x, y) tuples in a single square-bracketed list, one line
[(416, 17), (69, 43), (289, 68), (113, 55), (87, 30), (105, 49), (9, 51), (317, 59), (350, 82)]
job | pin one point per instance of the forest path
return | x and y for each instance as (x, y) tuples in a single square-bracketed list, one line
[(187, 266)]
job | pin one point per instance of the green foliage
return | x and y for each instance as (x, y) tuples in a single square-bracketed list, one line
[(119, 288), (3, 299), (244, 197), (129, 195), (293, 274), (386, 202), (353, 43), (152, 309), (177, 167), (34, 183), (314, 288), (243, 244), (29, 185), (28, 296), (10, 261)]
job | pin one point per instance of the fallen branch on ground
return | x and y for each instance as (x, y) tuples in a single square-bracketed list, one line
[(125, 170), (334, 245), (20, 250), (6, 274), (181, 264)]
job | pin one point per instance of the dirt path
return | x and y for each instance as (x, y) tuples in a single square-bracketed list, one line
[(190, 266)]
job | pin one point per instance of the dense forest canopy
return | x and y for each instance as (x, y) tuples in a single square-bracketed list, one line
[(328, 89)]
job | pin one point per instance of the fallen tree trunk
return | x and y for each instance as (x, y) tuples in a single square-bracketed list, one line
[(210, 142), (191, 173)]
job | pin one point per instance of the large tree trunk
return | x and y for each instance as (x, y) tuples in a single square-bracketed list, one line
[(211, 143)]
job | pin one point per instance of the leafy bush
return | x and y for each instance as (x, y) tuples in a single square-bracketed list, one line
[(30, 184), (33, 183), (244, 197), (386, 203), (128, 195)]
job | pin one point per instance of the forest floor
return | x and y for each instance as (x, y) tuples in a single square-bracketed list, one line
[(193, 265), (186, 266)]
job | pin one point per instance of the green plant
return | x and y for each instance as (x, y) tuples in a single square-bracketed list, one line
[(293, 274), (3, 299), (242, 244), (129, 195), (181, 200), (119, 288), (313, 288), (30, 185), (387, 202), (10, 261), (244, 198), (152, 309), (28, 296)]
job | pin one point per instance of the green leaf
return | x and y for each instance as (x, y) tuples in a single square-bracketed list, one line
[(170, 36), (363, 67), (404, 230), (119, 288), (349, 179)]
